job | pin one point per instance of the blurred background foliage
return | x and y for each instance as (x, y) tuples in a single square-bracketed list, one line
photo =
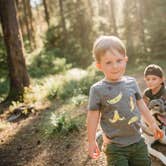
[(58, 37)]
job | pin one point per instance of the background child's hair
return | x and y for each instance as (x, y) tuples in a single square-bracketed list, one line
[(107, 43), (153, 69)]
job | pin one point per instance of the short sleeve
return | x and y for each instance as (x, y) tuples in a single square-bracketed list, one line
[(94, 100), (138, 95)]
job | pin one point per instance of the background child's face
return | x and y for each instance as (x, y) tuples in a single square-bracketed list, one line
[(153, 82), (113, 65)]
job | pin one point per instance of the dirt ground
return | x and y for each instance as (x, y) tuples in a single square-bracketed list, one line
[(21, 144)]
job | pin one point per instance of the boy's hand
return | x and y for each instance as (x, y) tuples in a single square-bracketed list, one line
[(158, 133), (94, 151)]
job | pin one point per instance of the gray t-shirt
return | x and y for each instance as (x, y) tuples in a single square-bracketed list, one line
[(120, 117)]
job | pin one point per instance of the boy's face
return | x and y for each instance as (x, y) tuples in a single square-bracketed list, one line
[(153, 82), (113, 65)]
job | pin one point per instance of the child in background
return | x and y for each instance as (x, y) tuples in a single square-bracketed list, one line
[(154, 79), (155, 94), (117, 103)]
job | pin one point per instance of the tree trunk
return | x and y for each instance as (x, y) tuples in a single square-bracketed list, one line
[(47, 17), (27, 24), (20, 16), (112, 6), (141, 24), (63, 22), (31, 23), (128, 33), (15, 55)]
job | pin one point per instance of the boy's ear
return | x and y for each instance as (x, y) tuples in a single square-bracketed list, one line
[(98, 65), (126, 58), (163, 79)]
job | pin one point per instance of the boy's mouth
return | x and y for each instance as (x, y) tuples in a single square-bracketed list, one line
[(115, 72), (162, 118)]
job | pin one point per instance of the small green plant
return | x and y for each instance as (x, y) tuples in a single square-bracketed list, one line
[(29, 96), (14, 105), (79, 99), (62, 125), (26, 106)]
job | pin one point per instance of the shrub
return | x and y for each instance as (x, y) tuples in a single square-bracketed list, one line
[(47, 63), (62, 125)]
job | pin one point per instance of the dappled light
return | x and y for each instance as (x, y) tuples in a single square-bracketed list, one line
[(47, 69)]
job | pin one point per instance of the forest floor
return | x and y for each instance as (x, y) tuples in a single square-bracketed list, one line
[(22, 144)]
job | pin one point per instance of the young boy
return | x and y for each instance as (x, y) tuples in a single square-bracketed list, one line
[(154, 79), (116, 101)]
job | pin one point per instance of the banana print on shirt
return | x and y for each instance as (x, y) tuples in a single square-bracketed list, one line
[(131, 103), (115, 99), (132, 120), (116, 117)]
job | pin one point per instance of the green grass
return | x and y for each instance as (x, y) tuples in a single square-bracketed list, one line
[(62, 120)]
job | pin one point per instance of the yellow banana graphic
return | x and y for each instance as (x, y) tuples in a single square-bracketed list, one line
[(116, 117), (131, 103), (132, 120), (115, 99)]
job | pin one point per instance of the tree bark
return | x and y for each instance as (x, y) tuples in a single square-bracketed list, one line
[(25, 18), (20, 16), (18, 75), (63, 22), (112, 6), (47, 17), (128, 32), (32, 29), (141, 24)]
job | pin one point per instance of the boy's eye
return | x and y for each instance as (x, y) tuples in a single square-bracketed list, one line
[(152, 79), (109, 62), (119, 60)]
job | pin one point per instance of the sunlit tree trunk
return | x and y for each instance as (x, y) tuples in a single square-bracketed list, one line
[(113, 20), (88, 5), (15, 56), (128, 32), (20, 15), (31, 23), (25, 18), (63, 23), (47, 17), (141, 24)]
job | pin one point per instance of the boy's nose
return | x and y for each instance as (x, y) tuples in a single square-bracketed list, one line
[(150, 81), (115, 65)]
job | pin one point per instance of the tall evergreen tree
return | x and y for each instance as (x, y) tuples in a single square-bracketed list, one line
[(15, 55)]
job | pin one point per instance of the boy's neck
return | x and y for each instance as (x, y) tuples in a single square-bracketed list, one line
[(110, 80), (156, 90)]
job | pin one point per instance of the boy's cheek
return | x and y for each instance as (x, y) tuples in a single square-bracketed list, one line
[(98, 66)]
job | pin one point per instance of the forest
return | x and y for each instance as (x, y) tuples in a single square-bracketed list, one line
[(47, 69)]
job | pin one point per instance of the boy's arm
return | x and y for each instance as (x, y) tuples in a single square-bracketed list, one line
[(146, 100), (92, 123), (145, 112)]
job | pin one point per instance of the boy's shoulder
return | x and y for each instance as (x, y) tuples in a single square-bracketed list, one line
[(164, 92), (147, 92), (101, 83), (129, 79), (97, 84)]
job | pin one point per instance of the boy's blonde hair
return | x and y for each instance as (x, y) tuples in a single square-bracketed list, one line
[(107, 43)]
